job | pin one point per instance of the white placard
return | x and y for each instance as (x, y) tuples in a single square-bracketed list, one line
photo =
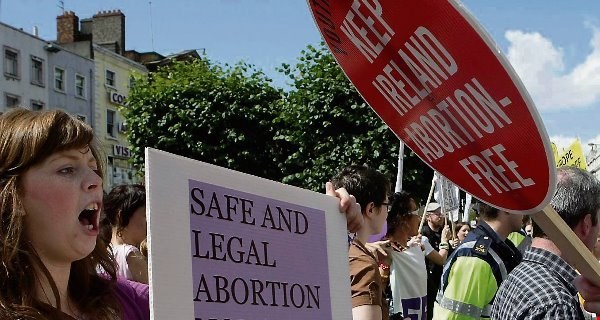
[(216, 235)]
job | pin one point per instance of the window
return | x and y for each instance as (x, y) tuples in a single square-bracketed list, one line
[(12, 100), (110, 123), (59, 79), (37, 105), (37, 71), (110, 78), (80, 86), (11, 62)]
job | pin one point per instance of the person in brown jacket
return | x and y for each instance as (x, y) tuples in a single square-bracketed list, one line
[(371, 189)]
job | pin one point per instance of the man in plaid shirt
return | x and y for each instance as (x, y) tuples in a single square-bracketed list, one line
[(541, 287)]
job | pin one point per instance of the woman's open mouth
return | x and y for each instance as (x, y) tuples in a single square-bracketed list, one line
[(89, 217)]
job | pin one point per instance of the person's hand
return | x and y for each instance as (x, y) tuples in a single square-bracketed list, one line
[(446, 234), (454, 243), (382, 248), (589, 292), (414, 241), (348, 206)]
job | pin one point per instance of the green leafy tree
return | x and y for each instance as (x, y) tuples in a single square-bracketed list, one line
[(327, 125), (234, 118), (201, 110)]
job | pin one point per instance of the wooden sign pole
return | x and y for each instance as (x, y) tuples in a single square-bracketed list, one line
[(427, 204), (573, 250)]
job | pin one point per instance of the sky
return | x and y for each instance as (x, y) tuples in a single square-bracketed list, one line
[(554, 46)]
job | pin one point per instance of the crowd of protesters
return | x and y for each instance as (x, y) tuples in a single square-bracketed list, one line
[(63, 257), (505, 268)]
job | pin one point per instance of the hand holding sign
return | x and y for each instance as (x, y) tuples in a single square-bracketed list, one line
[(436, 78), (348, 206), (590, 293)]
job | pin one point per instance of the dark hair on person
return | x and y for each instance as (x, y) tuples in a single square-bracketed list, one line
[(27, 138), (577, 195), (399, 212), (120, 204), (537, 230), (365, 184), (487, 212)]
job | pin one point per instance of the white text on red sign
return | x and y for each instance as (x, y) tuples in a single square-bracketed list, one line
[(421, 66)]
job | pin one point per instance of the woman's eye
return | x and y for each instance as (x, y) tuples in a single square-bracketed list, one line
[(67, 170)]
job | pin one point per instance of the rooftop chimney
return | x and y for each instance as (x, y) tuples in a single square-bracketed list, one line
[(109, 30), (67, 27)]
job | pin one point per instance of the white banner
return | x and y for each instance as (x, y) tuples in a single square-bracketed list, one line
[(214, 233), (447, 194)]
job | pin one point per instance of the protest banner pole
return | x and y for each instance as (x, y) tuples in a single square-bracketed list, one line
[(452, 222), (427, 203), (571, 247), (452, 225), (443, 202), (400, 167), (467, 208)]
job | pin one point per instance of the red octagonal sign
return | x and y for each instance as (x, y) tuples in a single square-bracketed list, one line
[(436, 78)]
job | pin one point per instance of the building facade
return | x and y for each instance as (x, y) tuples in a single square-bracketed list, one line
[(38, 75), (24, 69), (114, 74), (71, 84), (102, 38)]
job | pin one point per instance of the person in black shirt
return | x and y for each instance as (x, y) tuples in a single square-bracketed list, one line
[(433, 231)]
